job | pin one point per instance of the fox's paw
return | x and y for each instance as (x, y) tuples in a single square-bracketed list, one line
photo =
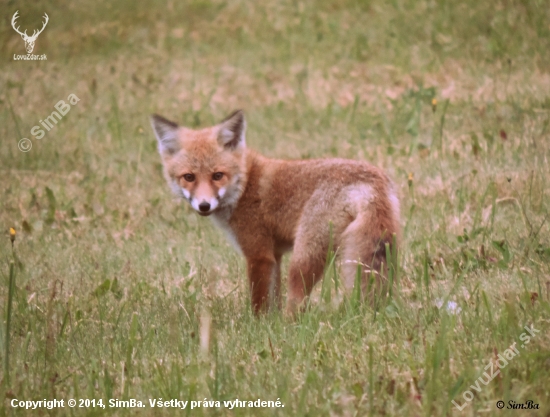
[(295, 307)]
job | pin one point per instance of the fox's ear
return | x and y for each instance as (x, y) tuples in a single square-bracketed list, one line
[(232, 128), (166, 133)]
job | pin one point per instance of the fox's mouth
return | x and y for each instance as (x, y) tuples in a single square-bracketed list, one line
[(205, 214)]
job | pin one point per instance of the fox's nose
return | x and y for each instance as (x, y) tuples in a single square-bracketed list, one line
[(204, 206)]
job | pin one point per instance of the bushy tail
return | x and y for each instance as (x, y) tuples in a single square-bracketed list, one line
[(370, 242)]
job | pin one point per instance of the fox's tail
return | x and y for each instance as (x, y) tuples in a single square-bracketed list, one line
[(365, 244)]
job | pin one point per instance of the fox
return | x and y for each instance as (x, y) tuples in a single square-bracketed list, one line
[(268, 207)]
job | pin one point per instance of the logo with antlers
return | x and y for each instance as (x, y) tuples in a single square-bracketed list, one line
[(29, 40)]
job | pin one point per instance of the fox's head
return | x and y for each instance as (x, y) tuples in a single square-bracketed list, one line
[(205, 166)]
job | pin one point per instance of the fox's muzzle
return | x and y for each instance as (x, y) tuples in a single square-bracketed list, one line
[(205, 207)]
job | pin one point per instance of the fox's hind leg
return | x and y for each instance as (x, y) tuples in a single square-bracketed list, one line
[(323, 216), (308, 259), (306, 269)]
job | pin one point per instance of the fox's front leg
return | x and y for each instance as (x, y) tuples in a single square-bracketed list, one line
[(262, 271)]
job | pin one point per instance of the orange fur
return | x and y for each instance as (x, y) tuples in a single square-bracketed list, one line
[(270, 206)]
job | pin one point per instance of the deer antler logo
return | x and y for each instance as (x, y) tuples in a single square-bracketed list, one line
[(29, 40)]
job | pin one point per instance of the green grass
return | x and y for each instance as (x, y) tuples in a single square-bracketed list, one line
[(121, 292)]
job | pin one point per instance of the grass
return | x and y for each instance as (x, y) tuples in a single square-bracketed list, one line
[(121, 292)]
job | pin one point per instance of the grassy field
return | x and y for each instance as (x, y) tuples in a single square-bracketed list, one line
[(120, 292)]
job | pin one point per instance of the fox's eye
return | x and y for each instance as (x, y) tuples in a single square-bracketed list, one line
[(216, 176), (189, 177)]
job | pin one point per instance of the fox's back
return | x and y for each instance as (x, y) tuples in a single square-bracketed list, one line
[(280, 193)]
